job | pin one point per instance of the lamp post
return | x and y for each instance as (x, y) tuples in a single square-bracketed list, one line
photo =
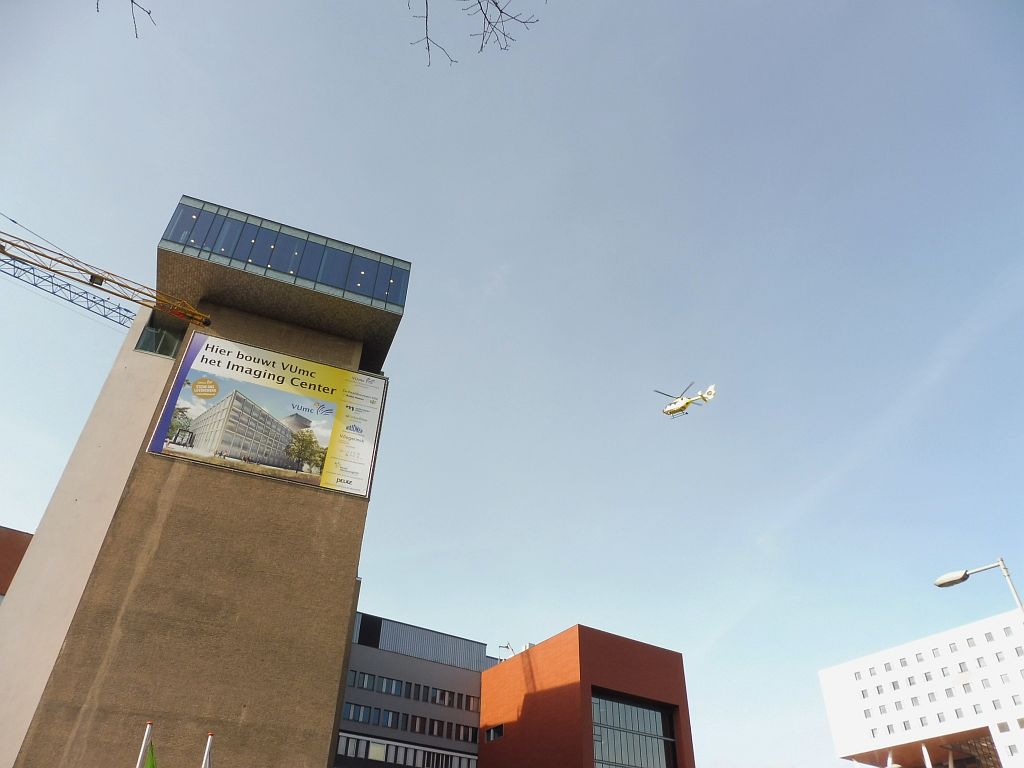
[(958, 577)]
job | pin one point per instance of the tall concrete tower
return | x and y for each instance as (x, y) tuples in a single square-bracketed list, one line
[(197, 563)]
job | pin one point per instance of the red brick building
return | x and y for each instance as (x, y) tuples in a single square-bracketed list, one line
[(12, 549), (586, 699)]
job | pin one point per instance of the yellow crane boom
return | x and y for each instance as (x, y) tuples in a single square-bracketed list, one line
[(30, 254)]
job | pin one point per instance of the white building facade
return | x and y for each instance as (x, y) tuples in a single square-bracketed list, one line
[(953, 699)]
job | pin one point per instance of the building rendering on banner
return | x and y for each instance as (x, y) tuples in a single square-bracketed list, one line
[(953, 698), (197, 563), (582, 699)]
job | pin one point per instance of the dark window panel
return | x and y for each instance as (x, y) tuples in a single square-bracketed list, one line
[(336, 267), (382, 285), (246, 242), (287, 254), (399, 285), (182, 221), (202, 226), (227, 238), (263, 248), (211, 237), (362, 275), (312, 256)]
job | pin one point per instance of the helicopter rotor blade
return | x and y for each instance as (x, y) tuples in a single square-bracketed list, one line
[(687, 389), (665, 394)]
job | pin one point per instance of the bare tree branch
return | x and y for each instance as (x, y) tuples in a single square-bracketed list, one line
[(135, 4), (495, 21), (427, 40), (134, 22), (498, 23)]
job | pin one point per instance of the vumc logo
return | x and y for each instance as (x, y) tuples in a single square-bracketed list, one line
[(320, 409), (354, 428)]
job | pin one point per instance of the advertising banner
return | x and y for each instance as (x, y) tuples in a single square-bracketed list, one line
[(253, 410)]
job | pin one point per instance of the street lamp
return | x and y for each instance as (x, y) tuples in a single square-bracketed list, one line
[(959, 577)]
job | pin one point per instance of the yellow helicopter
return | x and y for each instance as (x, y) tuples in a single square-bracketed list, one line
[(680, 403)]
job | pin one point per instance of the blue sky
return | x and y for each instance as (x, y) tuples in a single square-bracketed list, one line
[(815, 206)]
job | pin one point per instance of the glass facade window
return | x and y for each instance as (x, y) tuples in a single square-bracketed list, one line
[(631, 734), (289, 254)]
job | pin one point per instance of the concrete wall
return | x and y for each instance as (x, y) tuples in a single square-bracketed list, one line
[(218, 601), (42, 599)]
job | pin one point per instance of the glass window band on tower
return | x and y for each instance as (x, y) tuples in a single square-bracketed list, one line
[(257, 245), (632, 734)]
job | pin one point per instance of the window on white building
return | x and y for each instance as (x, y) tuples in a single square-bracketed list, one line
[(919, 656), (997, 704), (864, 693), (963, 666), (988, 637), (871, 671), (910, 680), (1004, 678), (903, 662), (977, 709), (890, 728), (899, 706), (1000, 656), (949, 693), (958, 712), (985, 683), (952, 647), (1013, 749), (1003, 727), (967, 687), (867, 713), (1016, 699), (924, 721), (931, 697), (913, 701), (906, 725), (940, 717), (856, 675), (981, 661), (928, 677), (888, 667), (1007, 631), (935, 653), (970, 642), (945, 671)]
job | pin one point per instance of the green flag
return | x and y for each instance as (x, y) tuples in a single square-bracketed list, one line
[(150, 757)]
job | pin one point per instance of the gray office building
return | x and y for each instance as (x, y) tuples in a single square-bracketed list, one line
[(238, 427), (412, 697)]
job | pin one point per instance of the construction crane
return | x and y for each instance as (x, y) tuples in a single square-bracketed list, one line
[(57, 272)]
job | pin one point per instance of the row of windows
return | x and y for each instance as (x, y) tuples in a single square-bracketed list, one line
[(890, 729), (630, 717), (403, 721), (414, 691), (266, 245), (950, 693), (920, 656), (635, 750), (401, 754), (962, 666)]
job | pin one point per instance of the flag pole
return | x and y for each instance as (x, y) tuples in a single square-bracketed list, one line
[(145, 743), (208, 755)]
